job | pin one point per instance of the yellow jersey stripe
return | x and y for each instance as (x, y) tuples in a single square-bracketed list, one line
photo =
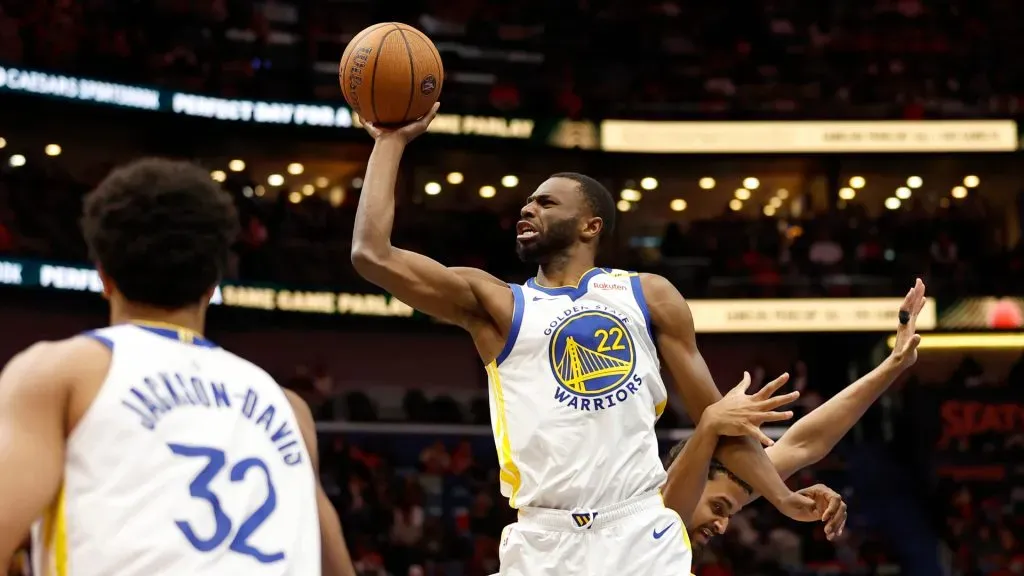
[(509, 471), (659, 408), (55, 538)]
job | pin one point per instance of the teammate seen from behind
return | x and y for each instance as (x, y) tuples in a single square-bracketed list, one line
[(143, 448), (707, 508), (572, 358)]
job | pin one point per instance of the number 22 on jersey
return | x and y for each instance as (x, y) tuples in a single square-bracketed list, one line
[(223, 525)]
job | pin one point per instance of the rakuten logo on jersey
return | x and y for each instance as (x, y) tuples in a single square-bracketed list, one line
[(607, 286)]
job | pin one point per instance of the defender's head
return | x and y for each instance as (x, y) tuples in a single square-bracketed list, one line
[(566, 210), (160, 232), (724, 495)]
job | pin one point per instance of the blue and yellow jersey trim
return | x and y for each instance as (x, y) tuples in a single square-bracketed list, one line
[(508, 472), (174, 332)]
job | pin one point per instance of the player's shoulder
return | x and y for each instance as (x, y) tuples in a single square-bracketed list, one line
[(657, 287), (301, 408), (475, 275), (54, 363)]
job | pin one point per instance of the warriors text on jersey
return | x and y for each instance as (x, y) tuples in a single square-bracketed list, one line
[(575, 395), (189, 461)]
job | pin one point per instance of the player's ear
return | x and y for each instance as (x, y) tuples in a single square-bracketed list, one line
[(592, 227), (108, 284)]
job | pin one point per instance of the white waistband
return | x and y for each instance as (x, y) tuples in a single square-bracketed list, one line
[(574, 520)]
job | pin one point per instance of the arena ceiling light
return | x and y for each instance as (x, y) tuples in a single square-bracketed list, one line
[(295, 168), (487, 191), (649, 183), (260, 190), (972, 181), (677, 205), (3, 143), (751, 183), (295, 197), (218, 176), (630, 195), (322, 182), (52, 150), (308, 189), (775, 202), (892, 203), (336, 196), (857, 182), (455, 178), (742, 194), (275, 180), (959, 192), (915, 182), (623, 205), (903, 192), (847, 193), (16, 161), (769, 210), (432, 188), (735, 205), (357, 182), (236, 165), (706, 183), (782, 193), (509, 181)]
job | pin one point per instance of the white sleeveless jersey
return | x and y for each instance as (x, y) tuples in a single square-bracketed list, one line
[(189, 461), (575, 394)]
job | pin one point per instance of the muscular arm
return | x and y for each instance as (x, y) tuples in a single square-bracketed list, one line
[(417, 280), (815, 435), (677, 343), (689, 472), (335, 557), (33, 408)]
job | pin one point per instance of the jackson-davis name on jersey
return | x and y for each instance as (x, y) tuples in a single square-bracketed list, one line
[(164, 393), (592, 357)]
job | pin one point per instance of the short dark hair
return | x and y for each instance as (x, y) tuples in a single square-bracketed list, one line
[(600, 200), (714, 468), (162, 230)]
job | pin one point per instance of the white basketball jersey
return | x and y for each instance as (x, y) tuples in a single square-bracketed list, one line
[(189, 461), (575, 394)]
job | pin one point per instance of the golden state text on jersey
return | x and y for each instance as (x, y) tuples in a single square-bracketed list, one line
[(575, 394)]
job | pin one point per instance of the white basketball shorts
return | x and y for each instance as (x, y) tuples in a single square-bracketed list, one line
[(639, 537)]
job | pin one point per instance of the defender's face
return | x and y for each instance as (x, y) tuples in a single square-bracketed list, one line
[(549, 221), (721, 499)]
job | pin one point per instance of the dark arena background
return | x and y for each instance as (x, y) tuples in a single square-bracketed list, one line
[(790, 165)]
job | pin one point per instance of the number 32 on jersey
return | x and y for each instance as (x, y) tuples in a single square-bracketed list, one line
[(223, 525)]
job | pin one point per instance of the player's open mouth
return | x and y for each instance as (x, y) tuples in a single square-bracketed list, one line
[(525, 230), (706, 534)]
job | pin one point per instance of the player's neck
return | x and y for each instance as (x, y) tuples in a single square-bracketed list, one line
[(191, 318), (564, 270)]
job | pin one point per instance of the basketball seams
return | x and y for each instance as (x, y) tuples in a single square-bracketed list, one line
[(433, 54), (412, 72), (353, 44), (373, 78)]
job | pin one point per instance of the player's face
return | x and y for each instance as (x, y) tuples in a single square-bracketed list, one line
[(721, 499), (550, 221)]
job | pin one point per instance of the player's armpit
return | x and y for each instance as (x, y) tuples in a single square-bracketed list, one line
[(335, 559), (677, 345), (33, 409)]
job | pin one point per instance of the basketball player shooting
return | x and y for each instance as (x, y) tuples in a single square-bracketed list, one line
[(144, 448), (572, 359), (707, 508)]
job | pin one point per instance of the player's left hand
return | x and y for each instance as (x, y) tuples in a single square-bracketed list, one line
[(830, 505), (904, 351), (742, 414)]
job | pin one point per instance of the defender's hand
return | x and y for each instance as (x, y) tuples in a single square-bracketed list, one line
[(904, 351), (740, 414), (832, 508), (405, 133)]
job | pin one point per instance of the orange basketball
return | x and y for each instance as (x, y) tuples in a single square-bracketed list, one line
[(390, 73)]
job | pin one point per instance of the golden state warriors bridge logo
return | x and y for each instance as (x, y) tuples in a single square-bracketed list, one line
[(592, 357)]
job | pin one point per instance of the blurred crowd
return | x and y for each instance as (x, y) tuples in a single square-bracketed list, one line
[(830, 253), (581, 58)]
